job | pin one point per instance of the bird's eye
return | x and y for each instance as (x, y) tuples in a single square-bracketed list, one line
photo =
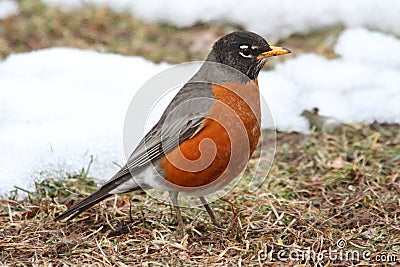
[(245, 51)]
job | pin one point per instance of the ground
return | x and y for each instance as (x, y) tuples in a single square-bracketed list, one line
[(323, 191), (324, 194)]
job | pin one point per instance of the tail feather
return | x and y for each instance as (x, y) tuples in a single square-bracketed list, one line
[(96, 197), (83, 205)]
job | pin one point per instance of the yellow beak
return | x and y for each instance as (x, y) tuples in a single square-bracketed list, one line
[(276, 51)]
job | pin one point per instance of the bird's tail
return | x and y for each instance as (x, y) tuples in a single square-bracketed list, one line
[(93, 199), (83, 205)]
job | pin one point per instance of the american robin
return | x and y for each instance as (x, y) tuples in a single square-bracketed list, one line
[(206, 135)]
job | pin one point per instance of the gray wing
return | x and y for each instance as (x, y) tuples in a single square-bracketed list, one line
[(180, 121)]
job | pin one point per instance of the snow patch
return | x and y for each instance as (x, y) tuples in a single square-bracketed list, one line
[(8, 8)]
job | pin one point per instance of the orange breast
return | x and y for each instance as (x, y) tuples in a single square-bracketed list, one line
[(223, 145)]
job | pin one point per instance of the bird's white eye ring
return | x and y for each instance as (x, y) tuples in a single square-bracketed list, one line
[(246, 54)]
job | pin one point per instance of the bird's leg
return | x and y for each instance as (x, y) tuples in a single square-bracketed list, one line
[(130, 211), (210, 212), (174, 198)]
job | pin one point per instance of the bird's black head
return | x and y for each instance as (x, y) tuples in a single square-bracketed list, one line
[(244, 51)]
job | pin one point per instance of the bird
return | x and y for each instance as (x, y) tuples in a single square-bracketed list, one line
[(206, 135), (320, 123)]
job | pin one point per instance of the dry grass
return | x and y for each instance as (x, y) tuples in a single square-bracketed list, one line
[(39, 26), (322, 188)]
